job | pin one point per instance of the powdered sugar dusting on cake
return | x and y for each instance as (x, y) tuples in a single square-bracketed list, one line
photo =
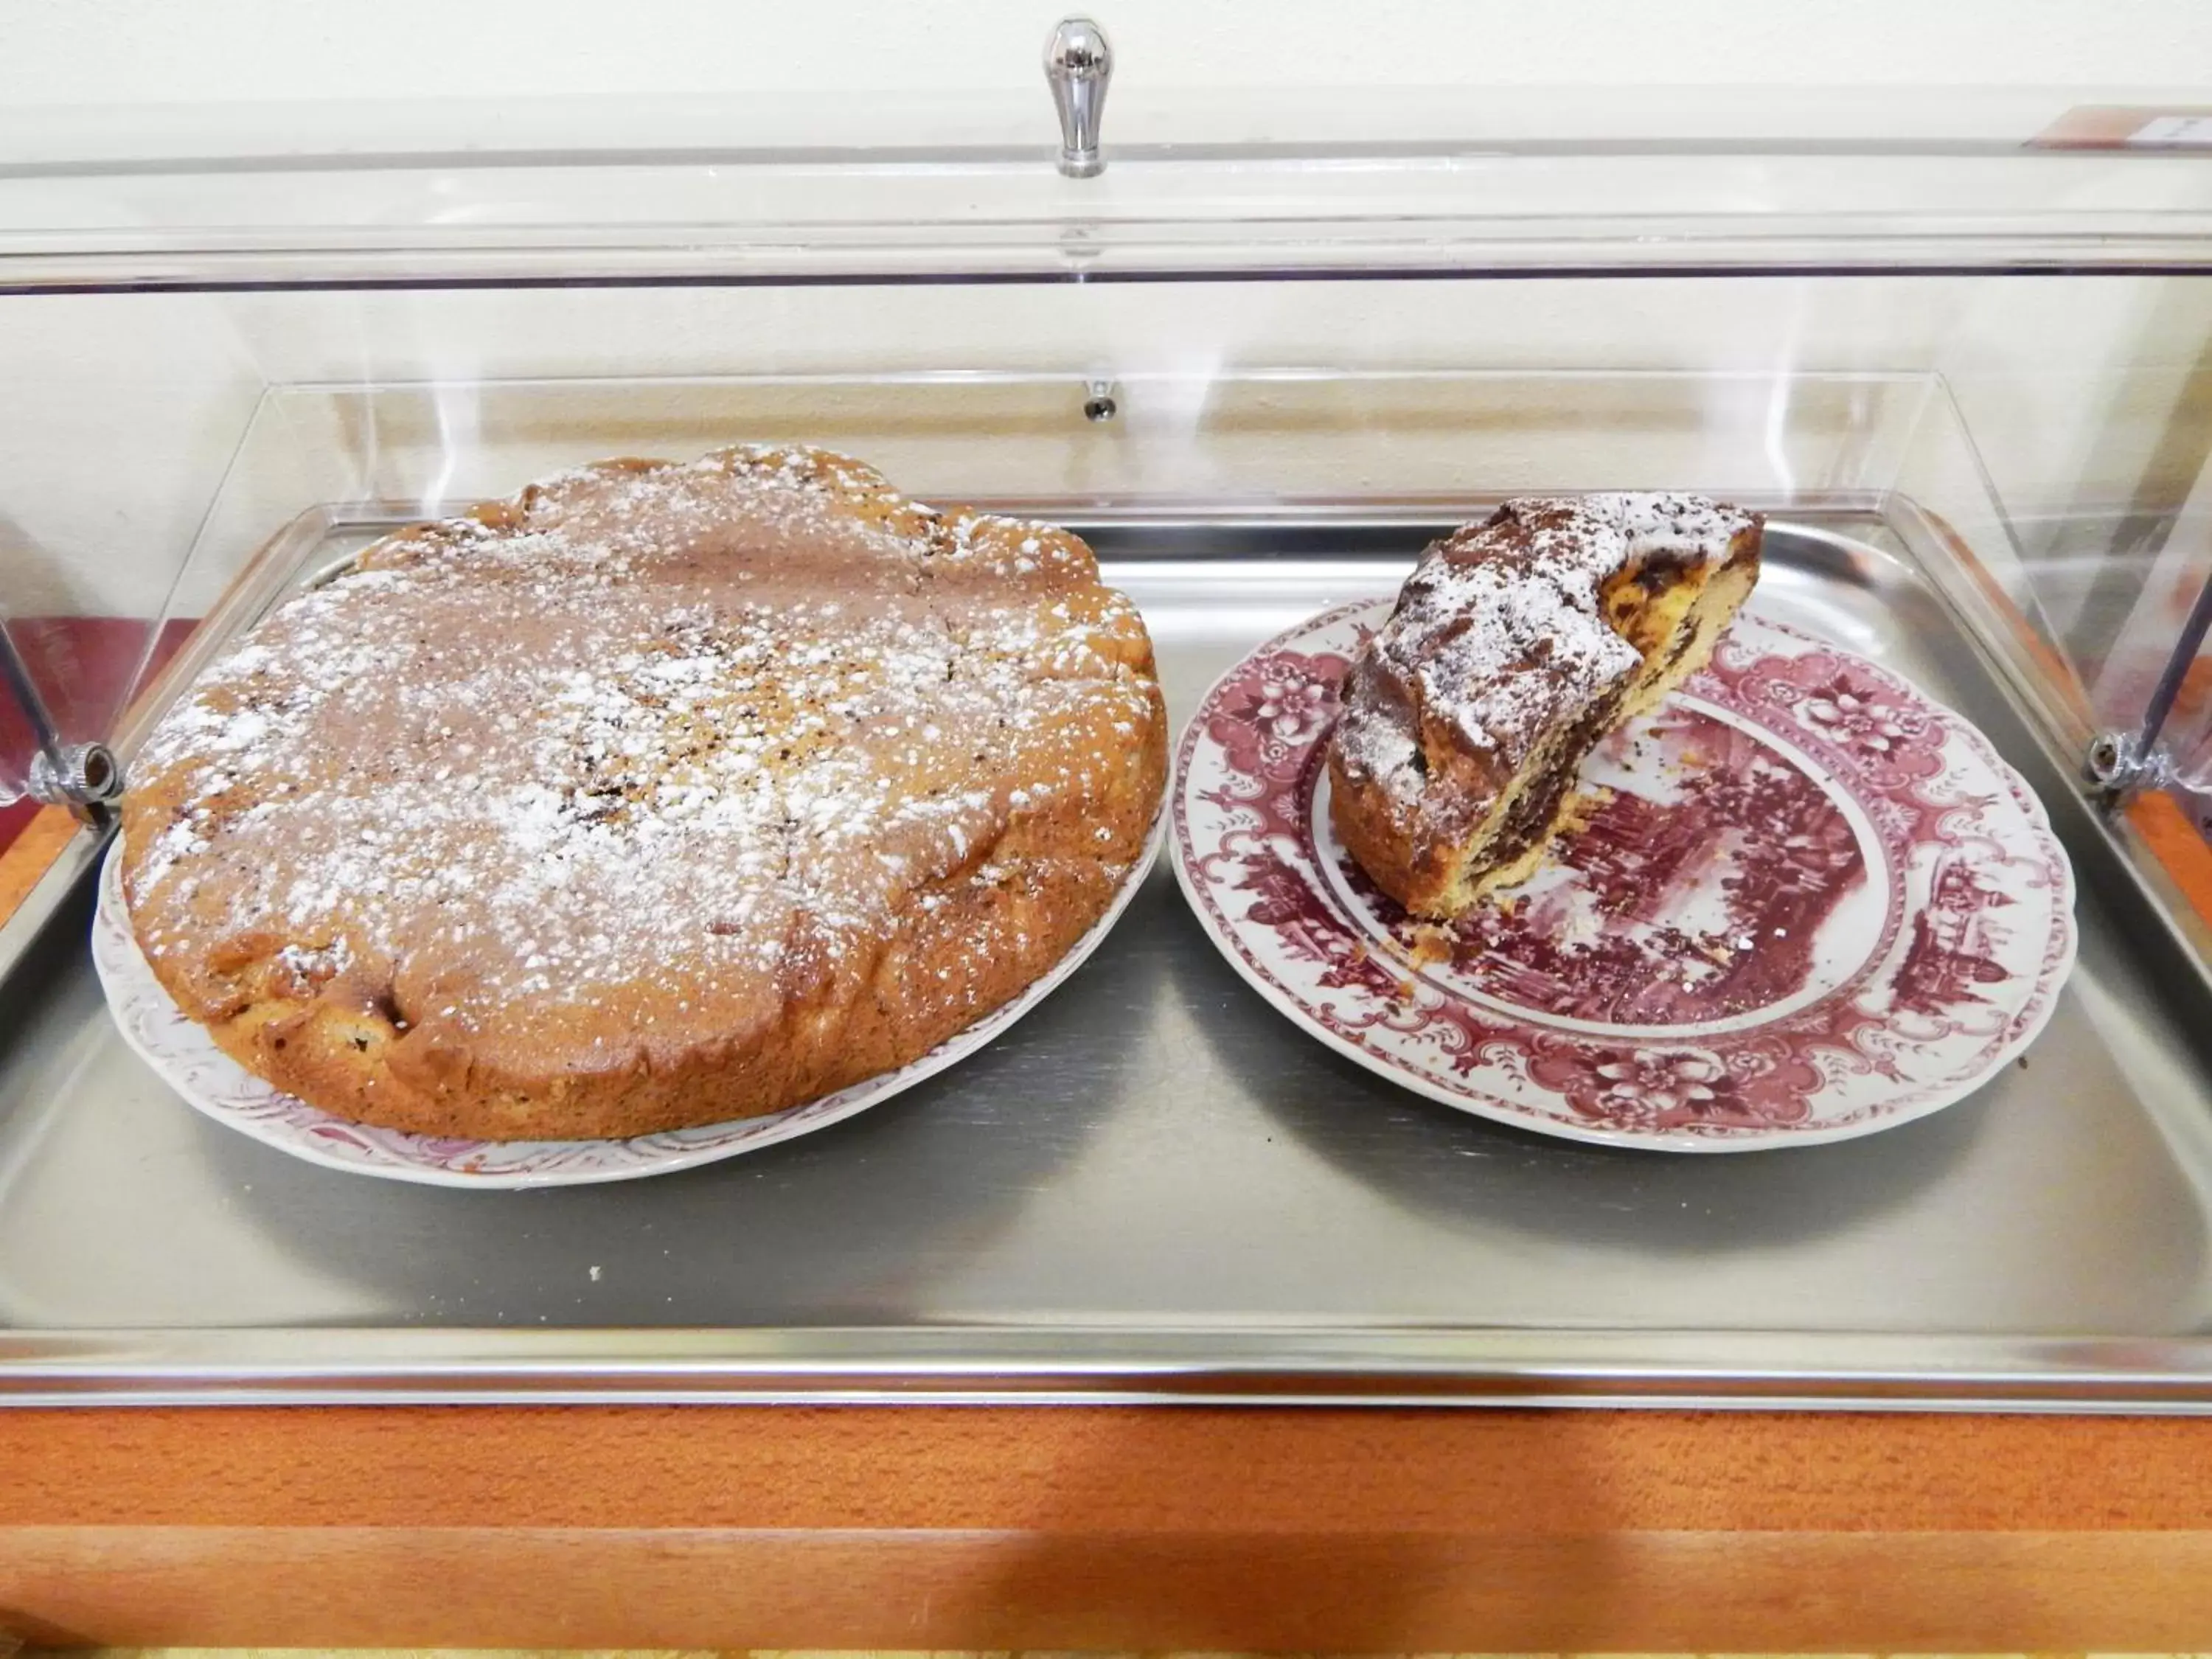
[(1499, 630), (645, 727)]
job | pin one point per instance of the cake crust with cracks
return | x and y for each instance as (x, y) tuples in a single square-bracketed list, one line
[(656, 795)]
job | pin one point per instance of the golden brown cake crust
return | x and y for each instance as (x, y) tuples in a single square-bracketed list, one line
[(1514, 646), (657, 795)]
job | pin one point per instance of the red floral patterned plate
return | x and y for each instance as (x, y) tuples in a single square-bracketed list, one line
[(1813, 904)]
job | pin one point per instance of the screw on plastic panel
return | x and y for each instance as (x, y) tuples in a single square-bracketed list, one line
[(1101, 402), (82, 776), (1079, 64), (2118, 766)]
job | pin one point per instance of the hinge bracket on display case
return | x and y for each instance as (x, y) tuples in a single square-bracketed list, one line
[(2123, 764), (2119, 766), (1079, 63), (84, 777)]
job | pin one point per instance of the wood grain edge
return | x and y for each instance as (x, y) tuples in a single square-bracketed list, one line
[(1292, 1470), (980, 1528), (31, 853), (2173, 839), (378, 1587)]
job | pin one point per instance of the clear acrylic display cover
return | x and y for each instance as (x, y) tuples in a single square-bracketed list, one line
[(1970, 379)]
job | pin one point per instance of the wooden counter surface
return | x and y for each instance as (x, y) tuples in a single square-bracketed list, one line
[(1138, 1527), (1068, 1529)]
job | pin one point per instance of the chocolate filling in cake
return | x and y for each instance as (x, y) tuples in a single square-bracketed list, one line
[(1516, 645)]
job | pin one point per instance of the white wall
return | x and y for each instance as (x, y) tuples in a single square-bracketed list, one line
[(61, 53)]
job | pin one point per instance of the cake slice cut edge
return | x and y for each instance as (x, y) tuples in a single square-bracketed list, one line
[(1442, 817)]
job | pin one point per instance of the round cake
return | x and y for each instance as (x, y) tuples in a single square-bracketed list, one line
[(657, 795), (1515, 646)]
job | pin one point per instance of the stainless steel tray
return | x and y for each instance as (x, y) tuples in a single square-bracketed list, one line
[(1154, 1188)]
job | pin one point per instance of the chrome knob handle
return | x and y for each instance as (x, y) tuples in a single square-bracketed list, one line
[(1079, 63)]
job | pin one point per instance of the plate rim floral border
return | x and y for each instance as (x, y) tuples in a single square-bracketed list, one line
[(123, 971), (2042, 1003)]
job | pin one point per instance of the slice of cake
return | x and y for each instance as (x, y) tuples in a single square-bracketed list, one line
[(1516, 645)]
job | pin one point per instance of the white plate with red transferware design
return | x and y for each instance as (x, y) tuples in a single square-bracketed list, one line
[(187, 1058), (1813, 905)]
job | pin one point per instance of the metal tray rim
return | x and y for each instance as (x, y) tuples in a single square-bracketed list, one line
[(1074, 1364)]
